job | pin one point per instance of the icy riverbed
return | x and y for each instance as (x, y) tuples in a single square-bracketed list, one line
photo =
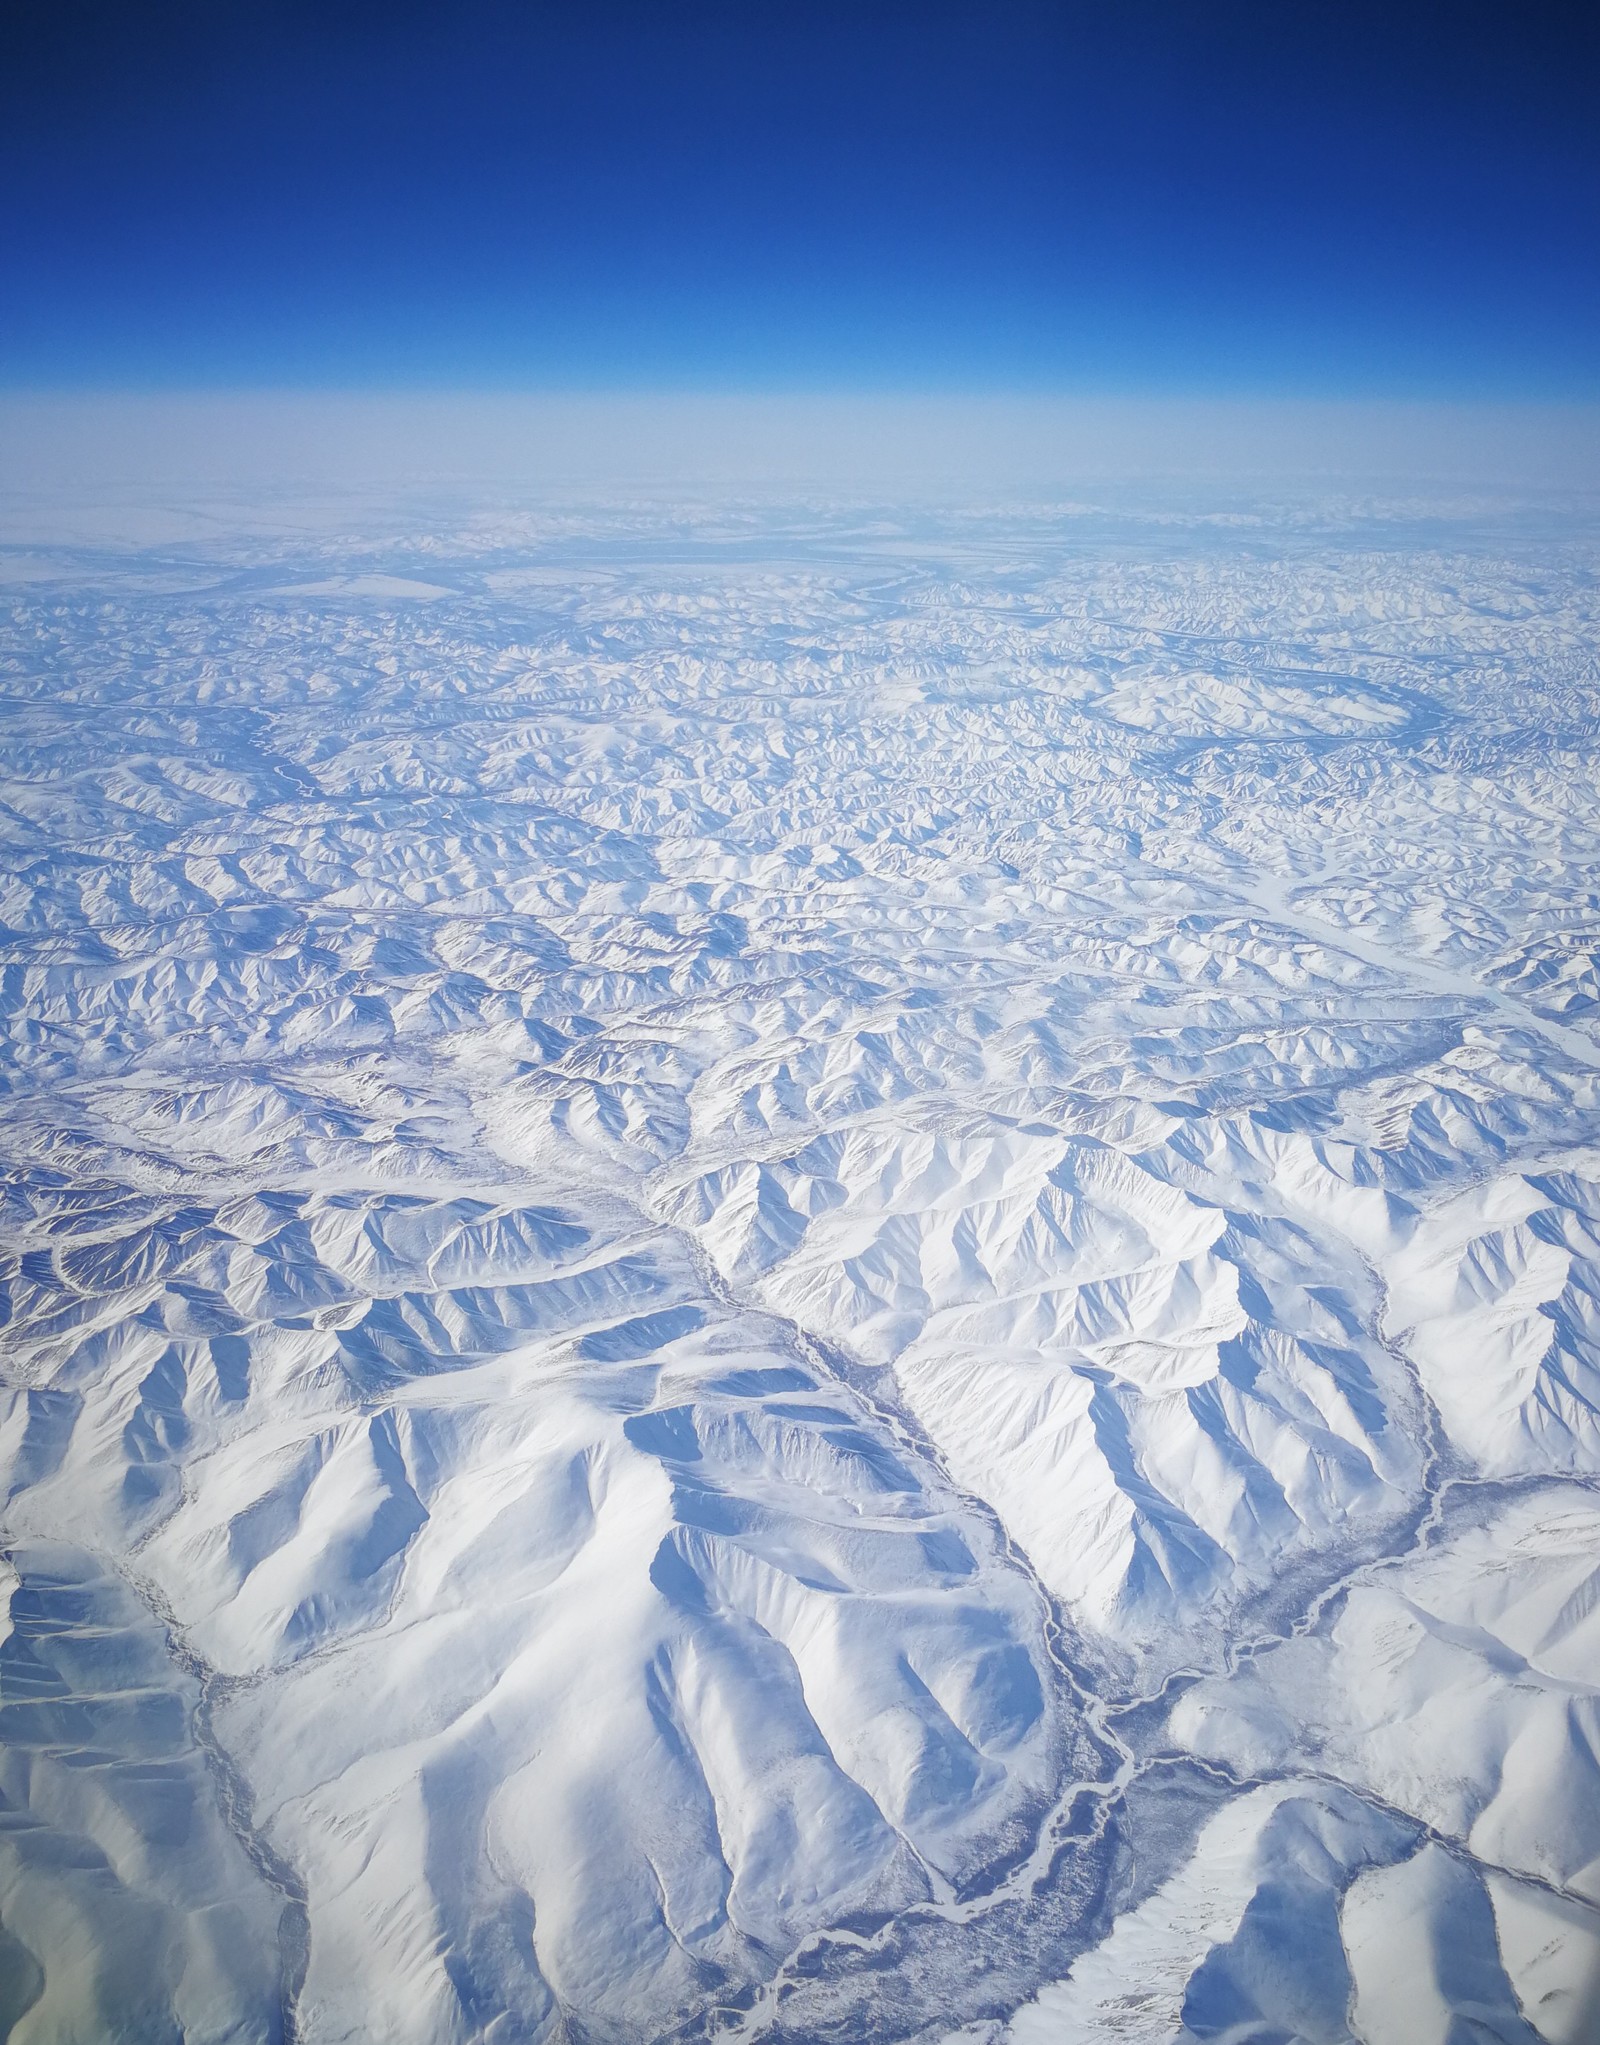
[(795, 1275)]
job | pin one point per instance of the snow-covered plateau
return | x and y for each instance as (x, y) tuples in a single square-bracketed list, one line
[(800, 1275)]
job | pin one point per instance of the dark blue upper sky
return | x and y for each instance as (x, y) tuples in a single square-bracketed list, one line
[(1153, 195)]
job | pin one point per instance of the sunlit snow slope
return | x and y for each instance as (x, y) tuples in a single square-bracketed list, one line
[(800, 1276)]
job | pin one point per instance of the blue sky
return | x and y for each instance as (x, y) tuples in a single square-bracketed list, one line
[(1146, 197)]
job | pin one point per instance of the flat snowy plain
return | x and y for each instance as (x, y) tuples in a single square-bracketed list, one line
[(800, 1276)]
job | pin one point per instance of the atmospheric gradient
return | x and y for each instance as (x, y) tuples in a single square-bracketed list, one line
[(790, 1272)]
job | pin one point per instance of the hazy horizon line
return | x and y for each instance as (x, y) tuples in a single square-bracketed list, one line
[(550, 435)]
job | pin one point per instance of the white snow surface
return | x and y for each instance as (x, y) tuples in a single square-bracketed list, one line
[(801, 1273)]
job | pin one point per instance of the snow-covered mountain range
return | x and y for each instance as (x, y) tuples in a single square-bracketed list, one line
[(801, 1275)]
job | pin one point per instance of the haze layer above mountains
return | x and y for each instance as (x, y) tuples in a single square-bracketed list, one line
[(799, 1275)]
